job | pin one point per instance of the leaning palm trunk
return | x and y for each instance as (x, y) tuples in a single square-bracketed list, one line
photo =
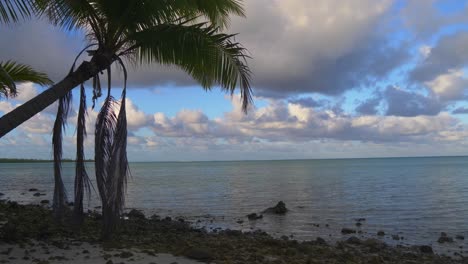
[(27, 110), (60, 196), (82, 182)]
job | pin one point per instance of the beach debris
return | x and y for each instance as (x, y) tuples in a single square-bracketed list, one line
[(353, 240), (358, 224), (33, 190), (460, 237), (444, 238), (381, 233), (374, 245), (201, 254), (347, 231), (279, 208), (1, 194), (426, 249), (125, 254), (395, 237), (254, 216), (360, 219)]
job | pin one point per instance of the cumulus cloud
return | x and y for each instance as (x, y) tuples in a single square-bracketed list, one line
[(408, 103), (448, 55), (297, 46), (289, 122)]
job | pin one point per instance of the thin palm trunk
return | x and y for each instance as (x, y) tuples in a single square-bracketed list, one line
[(82, 182), (22, 113)]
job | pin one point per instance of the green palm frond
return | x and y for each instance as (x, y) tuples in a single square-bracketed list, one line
[(14, 10), (12, 72), (209, 57)]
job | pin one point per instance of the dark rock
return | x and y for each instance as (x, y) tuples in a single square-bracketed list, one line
[(460, 237), (33, 190), (358, 224), (125, 254), (348, 231), (381, 233), (426, 249), (320, 241), (444, 238), (201, 254), (37, 194), (109, 262), (45, 202), (360, 219), (395, 237), (254, 216), (279, 208), (354, 240), (136, 214), (240, 221), (1, 194), (156, 217)]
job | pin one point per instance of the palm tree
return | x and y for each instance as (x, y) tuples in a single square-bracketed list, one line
[(12, 11), (169, 32)]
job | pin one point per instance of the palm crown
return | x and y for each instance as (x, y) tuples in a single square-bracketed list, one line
[(185, 33)]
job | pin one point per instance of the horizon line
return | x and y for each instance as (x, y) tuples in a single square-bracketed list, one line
[(249, 160)]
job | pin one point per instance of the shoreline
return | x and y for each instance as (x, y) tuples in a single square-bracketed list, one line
[(149, 240)]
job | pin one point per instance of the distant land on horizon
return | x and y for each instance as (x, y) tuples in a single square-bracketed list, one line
[(11, 160), (17, 160)]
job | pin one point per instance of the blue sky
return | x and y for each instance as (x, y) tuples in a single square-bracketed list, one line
[(332, 79)]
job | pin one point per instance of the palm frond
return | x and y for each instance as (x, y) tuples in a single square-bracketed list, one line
[(60, 195), (118, 169), (13, 10), (106, 124), (82, 181), (12, 72), (209, 57)]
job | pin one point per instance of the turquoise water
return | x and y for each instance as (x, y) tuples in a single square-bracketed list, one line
[(416, 198)]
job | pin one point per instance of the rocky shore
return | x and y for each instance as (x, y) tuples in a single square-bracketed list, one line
[(25, 228)]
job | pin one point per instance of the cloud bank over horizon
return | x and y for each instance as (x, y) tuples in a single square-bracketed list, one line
[(332, 79)]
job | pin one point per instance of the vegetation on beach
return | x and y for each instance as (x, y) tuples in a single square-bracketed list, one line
[(22, 224)]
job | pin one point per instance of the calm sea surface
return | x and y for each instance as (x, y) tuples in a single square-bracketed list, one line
[(416, 198)]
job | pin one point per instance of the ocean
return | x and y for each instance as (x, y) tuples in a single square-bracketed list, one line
[(413, 198)]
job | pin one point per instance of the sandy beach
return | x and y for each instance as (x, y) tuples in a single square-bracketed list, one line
[(81, 252)]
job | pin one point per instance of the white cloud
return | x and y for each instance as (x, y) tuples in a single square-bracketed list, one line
[(449, 86)]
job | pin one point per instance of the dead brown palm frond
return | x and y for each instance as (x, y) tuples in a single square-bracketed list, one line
[(82, 181), (60, 195), (118, 169)]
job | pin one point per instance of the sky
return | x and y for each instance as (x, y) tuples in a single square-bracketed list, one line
[(331, 79)]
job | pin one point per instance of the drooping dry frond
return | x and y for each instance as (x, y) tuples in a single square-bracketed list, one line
[(60, 196), (82, 181), (118, 169)]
